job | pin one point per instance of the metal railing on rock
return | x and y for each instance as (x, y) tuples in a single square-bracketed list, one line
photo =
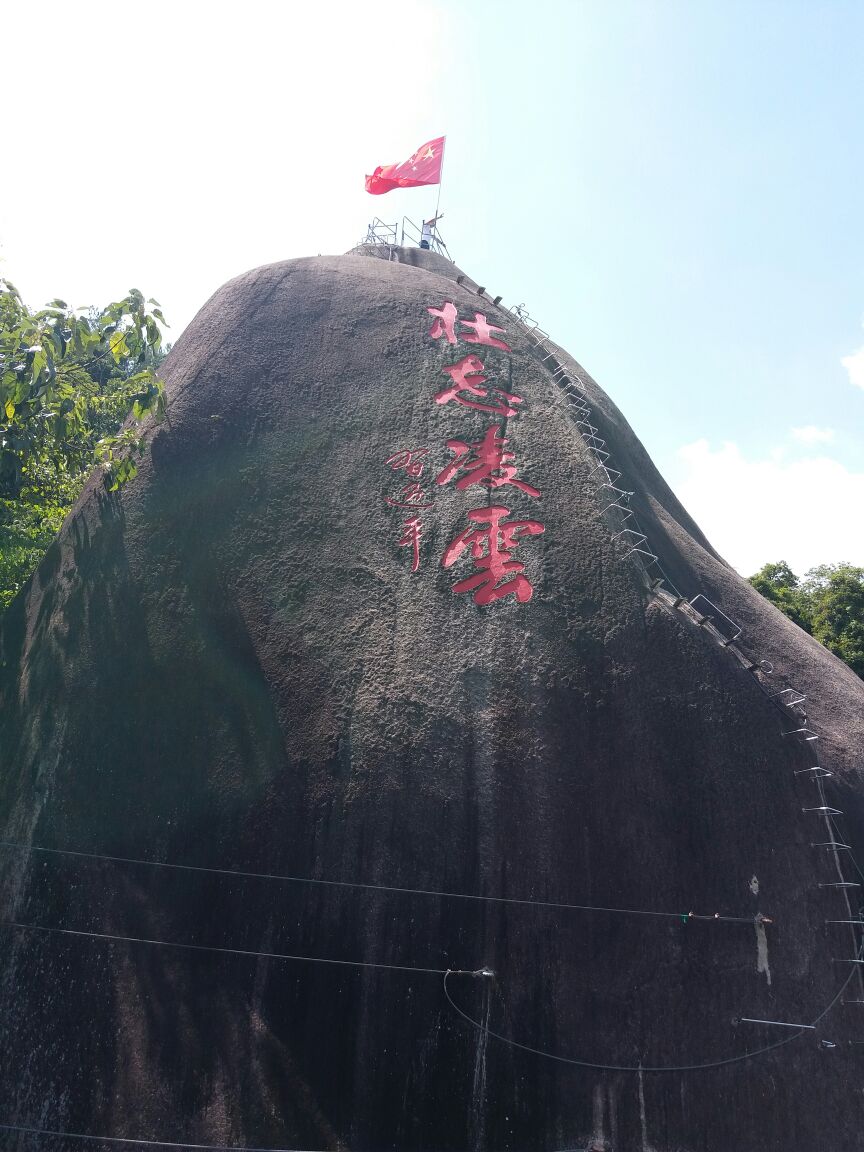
[(383, 235)]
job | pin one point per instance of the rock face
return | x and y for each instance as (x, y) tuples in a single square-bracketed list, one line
[(231, 665)]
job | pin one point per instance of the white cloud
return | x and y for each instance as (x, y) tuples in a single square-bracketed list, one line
[(810, 434), (805, 511), (854, 365)]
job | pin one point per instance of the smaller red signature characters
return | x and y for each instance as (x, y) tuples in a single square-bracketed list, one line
[(468, 376), (410, 460), (484, 462), (412, 530), (445, 325), (411, 497), (492, 544)]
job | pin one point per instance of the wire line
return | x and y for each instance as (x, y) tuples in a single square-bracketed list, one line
[(639, 1067), (561, 906), (228, 951), (146, 1143)]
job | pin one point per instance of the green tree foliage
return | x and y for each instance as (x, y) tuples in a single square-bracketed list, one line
[(828, 603), (836, 592), (73, 390), (779, 584)]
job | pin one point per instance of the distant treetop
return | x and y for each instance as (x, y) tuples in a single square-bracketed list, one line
[(828, 603)]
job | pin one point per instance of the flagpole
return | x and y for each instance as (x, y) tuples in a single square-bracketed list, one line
[(440, 177)]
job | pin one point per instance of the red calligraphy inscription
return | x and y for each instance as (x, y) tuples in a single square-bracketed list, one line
[(445, 325), (412, 530), (412, 496), (468, 376), (492, 544), (410, 460), (484, 462)]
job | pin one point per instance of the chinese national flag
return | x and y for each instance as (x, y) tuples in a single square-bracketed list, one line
[(424, 167)]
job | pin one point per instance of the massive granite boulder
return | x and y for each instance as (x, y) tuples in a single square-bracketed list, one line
[(379, 614)]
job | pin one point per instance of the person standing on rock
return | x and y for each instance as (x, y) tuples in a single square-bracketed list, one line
[(426, 234)]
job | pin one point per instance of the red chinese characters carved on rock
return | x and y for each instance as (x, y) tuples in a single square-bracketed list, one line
[(479, 329), (410, 460), (492, 542), (412, 496), (484, 462), (412, 530), (468, 376)]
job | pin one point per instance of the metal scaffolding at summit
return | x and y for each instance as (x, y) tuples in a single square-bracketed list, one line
[(408, 231)]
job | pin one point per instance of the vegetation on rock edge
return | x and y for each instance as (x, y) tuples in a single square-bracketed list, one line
[(74, 387)]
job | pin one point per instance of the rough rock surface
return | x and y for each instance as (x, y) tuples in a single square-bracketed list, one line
[(231, 665)]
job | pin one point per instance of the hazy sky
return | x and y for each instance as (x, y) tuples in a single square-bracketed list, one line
[(674, 189)]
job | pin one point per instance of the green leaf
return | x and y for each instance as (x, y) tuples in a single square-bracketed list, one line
[(40, 361), (154, 336), (118, 346)]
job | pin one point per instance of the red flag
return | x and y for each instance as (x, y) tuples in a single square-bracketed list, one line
[(424, 167)]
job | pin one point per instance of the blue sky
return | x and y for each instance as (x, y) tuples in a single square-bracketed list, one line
[(674, 189)]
